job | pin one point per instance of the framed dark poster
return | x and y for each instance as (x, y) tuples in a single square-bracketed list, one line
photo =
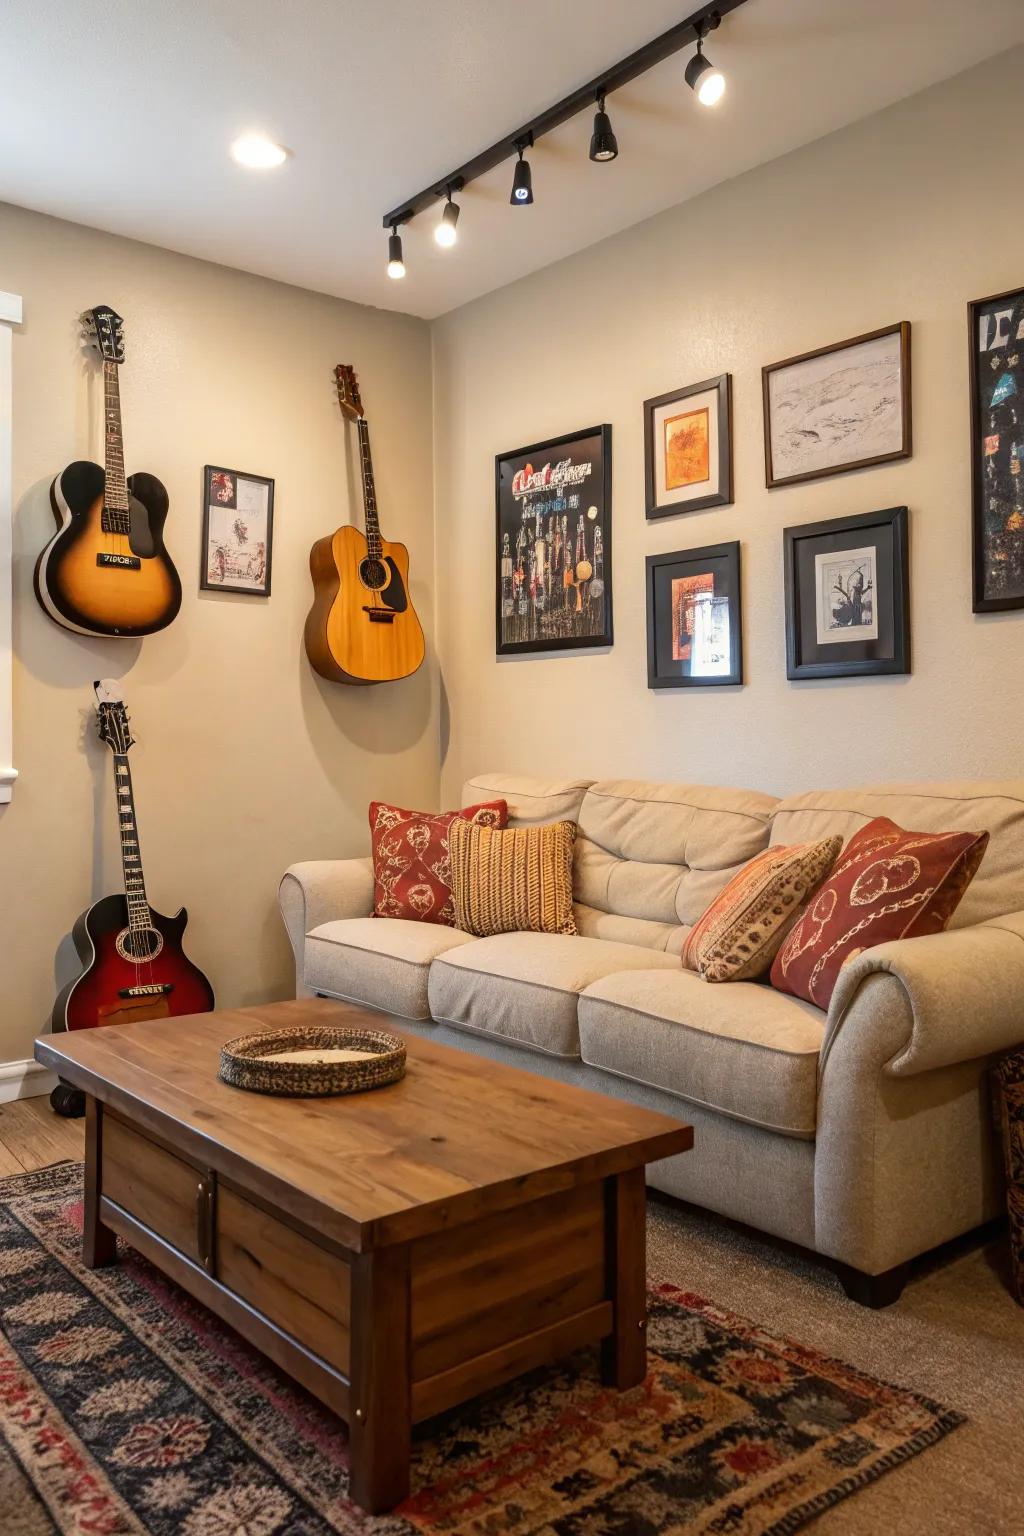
[(554, 544), (848, 596), (694, 628), (996, 337)]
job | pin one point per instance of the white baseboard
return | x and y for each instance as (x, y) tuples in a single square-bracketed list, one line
[(24, 1080)]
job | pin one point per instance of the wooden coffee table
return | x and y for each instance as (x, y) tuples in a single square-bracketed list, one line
[(396, 1252)]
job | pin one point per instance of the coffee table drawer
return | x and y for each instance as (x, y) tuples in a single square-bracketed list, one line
[(154, 1185), (302, 1288)]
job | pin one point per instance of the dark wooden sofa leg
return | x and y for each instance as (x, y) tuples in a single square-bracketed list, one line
[(874, 1291)]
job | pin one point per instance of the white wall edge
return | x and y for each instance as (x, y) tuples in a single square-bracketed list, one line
[(24, 1080), (10, 308), (10, 314)]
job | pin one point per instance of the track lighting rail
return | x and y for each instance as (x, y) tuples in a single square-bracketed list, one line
[(613, 79)]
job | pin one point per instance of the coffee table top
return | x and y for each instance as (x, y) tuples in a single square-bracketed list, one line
[(459, 1136)]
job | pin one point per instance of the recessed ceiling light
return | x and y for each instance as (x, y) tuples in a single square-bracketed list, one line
[(257, 152)]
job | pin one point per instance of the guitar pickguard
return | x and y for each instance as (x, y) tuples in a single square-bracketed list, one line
[(394, 595)]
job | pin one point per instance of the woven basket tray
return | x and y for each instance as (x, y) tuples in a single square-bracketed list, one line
[(304, 1063)]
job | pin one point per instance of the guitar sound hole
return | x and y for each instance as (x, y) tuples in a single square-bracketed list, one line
[(138, 945), (373, 574)]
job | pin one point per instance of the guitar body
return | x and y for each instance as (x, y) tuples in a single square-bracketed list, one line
[(101, 583), (107, 991), (362, 627)]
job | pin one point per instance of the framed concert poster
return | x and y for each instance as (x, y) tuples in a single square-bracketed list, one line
[(996, 336), (694, 619), (848, 596), (238, 532), (554, 544), (841, 407), (688, 448)]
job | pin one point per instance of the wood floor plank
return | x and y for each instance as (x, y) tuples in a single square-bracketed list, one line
[(35, 1136), (8, 1162)]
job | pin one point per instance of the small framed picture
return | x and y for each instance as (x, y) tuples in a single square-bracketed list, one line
[(842, 407), (238, 532), (688, 448), (694, 630), (848, 596), (996, 336)]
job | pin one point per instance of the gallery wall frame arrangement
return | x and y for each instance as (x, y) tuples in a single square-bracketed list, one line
[(841, 407), (694, 618), (995, 335), (553, 544), (238, 531), (688, 448), (848, 596)]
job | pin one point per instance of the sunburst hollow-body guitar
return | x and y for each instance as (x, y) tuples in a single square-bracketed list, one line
[(106, 570), (362, 627)]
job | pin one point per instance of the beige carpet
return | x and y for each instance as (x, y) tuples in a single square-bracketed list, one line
[(956, 1335)]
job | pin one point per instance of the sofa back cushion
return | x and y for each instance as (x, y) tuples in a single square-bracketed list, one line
[(530, 801), (979, 805), (650, 857)]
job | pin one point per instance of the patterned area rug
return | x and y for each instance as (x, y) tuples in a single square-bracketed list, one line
[(125, 1407)]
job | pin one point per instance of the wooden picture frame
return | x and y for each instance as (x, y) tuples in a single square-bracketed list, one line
[(997, 454), (803, 448), (832, 637), (684, 590), (553, 544), (234, 557), (710, 413)]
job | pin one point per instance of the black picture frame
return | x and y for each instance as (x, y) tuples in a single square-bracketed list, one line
[(234, 482), (721, 386), (577, 490), (997, 451), (839, 541), (665, 608)]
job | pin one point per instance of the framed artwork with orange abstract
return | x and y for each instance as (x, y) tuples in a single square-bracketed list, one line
[(694, 629), (688, 448)]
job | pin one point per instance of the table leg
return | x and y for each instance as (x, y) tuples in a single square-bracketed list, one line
[(624, 1352), (99, 1243), (380, 1422)]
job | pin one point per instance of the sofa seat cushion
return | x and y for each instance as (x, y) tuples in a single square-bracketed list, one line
[(524, 986), (744, 1050), (380, 961)]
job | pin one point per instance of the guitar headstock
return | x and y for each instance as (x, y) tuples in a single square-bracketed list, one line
[(104, 328), (348, 392), (112, 716)]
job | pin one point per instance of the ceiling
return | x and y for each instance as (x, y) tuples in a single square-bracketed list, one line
[(119, 113)]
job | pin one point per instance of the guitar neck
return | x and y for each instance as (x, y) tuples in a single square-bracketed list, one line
[(373, 539), (139, 916), (115, 496)]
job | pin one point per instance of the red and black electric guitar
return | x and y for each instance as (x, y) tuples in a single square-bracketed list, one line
[(133, 964)]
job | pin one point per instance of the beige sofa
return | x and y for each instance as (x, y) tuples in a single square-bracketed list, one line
[(863, 1134)]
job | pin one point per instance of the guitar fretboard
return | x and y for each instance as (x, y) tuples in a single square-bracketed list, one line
[(373, 539), (115, 496), (139, 916)]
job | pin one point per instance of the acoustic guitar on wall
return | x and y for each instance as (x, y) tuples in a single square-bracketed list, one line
[(106, 571), (362, 627)]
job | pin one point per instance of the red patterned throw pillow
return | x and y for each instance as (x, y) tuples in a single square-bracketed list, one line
[(412, 873), (888, 884)]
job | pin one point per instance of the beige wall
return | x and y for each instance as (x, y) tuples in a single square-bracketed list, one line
[(907, 215), (245, 760)]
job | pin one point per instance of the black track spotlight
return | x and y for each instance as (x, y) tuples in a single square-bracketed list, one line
[(522, 181), (396, 266), (701, 75), (445, 233), (603, 143)]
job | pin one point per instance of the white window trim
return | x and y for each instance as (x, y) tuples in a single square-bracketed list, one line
[(10, 315)]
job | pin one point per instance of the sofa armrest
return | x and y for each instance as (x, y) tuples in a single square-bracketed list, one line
[(964, 987), (318, 891)]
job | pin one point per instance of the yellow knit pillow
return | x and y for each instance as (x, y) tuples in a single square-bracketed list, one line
[(512, 880)]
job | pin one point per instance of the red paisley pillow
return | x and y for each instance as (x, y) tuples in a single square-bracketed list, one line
[(887, 884), (412, 873)]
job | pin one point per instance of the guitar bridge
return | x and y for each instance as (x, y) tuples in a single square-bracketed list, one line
[(379, 615), (153, 989), (119, 562)]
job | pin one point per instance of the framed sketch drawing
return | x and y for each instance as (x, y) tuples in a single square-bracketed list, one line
[(553, 546), (688, 448), (238, 532), (996, 336), (848, 596), (694, 628), (839, 408)]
